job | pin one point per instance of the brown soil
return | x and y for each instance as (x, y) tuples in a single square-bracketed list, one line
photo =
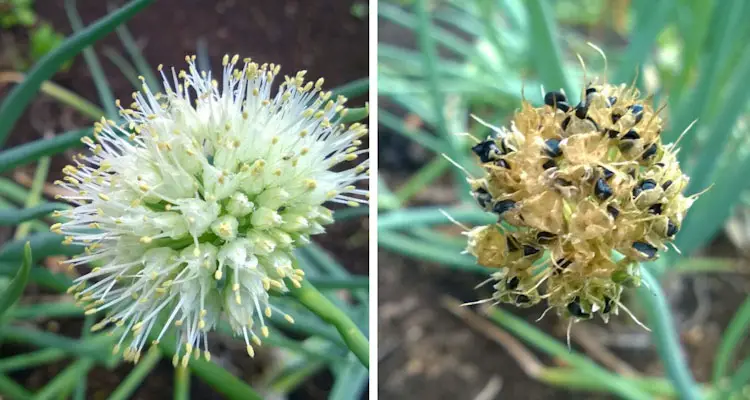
[(322, 37)]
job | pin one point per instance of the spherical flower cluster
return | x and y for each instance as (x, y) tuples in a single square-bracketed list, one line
[(191, 207), (570, 186)]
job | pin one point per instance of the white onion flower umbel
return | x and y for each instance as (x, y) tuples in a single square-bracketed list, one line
[(191, 206)]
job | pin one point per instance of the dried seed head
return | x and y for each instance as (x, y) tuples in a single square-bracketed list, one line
[(570, 185)]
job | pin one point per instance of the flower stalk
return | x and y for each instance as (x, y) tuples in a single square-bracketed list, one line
[(314, 301)]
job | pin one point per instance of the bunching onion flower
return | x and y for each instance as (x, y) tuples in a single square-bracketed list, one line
[(583, 194), (190, 207)]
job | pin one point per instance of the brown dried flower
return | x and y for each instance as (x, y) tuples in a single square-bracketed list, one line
[(572, 185)]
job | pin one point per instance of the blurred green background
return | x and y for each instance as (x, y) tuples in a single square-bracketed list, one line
[(439, 62)]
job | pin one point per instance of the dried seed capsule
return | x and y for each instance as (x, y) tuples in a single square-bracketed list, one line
[(602, 190), (552, 148), (645, 249), (529, 250), (545, 237), (656, 209), (565, 123), (637, 111), (671, 228), (563, 263), (484, 198), (611, 133), (487, 151), (644, 185), (575, 309), (557, 100), (502, 206), (650, 151), (582, 111), (613, 211), (631, 135), (502, 163), (512, 283)]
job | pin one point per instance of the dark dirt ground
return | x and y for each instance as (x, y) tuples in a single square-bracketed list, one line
[(322, 37)]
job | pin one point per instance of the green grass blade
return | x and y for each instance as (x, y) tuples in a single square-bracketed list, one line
[(706, 218), (734, 106), (35, 194), (44, 244), (350, 383), (428, 216), (64, 382), (106, 97), (403, 18), (40, 276), (10, 388), (30, 360), (97, 347), (126, 69), (61, 94), (545, 54), (430, 59), (29, 152), (695, 34), (80, 391), (15, 288), (353, 89), (332, 267), (13, 191), (650, 24), (423, 138), (218, 378), (736, 332), (727, 19), (10, 217), (739, 379), (343, 214), (665, 338), (60, 309), (422, 178), (141, 65), (427, 251), (15, 103), (313, 300), (181, 384), (350, 283), (142, 368), (355, 114)]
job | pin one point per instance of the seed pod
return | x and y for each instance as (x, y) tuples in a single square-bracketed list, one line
[(571, 186)]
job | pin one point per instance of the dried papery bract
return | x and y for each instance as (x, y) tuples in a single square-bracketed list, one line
[(192, 207), (571, 186)]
